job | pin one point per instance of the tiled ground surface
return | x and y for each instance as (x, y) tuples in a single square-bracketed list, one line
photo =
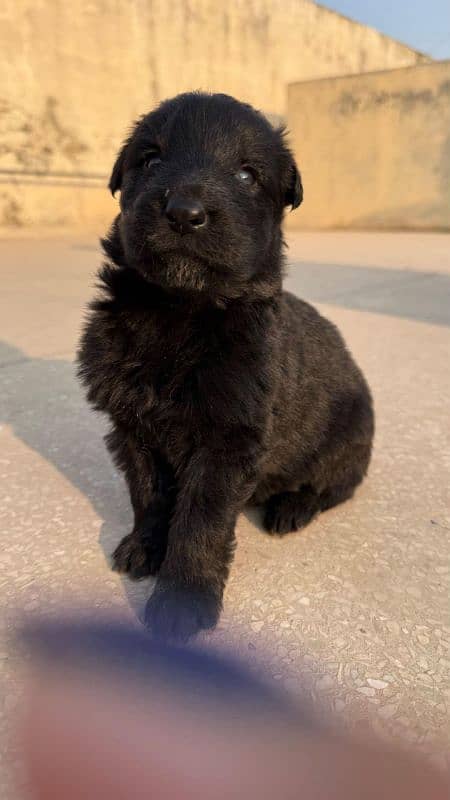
[(357, 606)]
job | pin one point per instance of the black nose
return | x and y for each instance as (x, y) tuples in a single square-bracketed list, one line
[(185, 214)]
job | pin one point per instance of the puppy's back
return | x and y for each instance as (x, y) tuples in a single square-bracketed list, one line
[(321, 392)]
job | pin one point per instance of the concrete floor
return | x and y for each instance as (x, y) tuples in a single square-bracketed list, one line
[(356, 606)]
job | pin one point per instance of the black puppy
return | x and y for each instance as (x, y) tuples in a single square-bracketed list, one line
[(221, 388)]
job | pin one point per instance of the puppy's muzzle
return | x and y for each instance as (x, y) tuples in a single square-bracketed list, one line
[(185, 214)]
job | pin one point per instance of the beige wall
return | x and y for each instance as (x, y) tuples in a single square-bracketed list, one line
[(75, 74), (374, 149)]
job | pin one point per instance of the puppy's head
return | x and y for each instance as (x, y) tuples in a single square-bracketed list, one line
[(204, 180)]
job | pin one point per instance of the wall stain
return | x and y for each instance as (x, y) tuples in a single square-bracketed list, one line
[(444, 169), (11, 211), (37, 141), (350, 102)]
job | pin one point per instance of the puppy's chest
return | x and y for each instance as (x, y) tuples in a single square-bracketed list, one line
[(161, 368)]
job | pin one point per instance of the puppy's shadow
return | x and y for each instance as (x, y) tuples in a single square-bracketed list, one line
[(42, 402)]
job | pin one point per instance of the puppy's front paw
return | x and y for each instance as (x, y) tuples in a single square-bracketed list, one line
[(177, 613), (135, 557)]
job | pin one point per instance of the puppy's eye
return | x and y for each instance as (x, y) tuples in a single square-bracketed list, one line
[(151, 158), (246, 176)]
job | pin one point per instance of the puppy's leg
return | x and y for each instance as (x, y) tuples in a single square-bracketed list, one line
[(291, 511), (152, 491), (188, 596), (338, 474), (142, 551)]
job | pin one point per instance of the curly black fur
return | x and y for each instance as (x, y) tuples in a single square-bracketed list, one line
[(221, 388)]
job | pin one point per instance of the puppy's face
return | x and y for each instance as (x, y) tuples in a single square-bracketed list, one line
[(204, 180)]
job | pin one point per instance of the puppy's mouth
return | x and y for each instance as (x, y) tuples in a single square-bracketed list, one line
[(179, 268), (170, 247)]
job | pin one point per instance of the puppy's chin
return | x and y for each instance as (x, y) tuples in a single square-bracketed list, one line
[(181, 272), (169, 268), (186, 274)]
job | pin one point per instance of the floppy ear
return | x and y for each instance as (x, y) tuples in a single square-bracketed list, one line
[(115, 181), (294, 193)]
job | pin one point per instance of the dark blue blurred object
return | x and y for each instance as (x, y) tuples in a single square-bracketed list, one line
[(108, 648)]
